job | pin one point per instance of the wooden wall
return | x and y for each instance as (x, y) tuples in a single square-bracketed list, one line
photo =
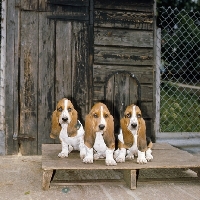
[(65, 48)]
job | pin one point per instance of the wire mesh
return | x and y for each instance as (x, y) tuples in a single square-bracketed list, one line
[(180, 71)]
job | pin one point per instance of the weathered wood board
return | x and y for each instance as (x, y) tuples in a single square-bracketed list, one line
[(165, 156)]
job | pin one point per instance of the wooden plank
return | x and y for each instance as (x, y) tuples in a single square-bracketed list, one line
[(123, 19), (157, 81), (146, 92), (165, 156), (11, 80), (90, 66), (65, 8), (46, 76), (69, 2), (72, 56), (80, 65), (29, 4), (130, 178), (144, 74), (123, 37), (28, 83), (87, 182), (125, 56), (47, 175), (63, 60), (136, 5)]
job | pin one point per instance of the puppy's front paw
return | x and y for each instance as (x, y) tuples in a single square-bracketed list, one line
[(63, 154), (88, 159), (82, 154), (120, 159), (149, 157), (70, 148), (130, 157), (110, 162), (141, 160), (96, 156)]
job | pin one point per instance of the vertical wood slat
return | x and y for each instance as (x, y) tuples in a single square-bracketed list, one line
[(63, 60), (80, 52), (29, 81), (46, 74), (11, 80)]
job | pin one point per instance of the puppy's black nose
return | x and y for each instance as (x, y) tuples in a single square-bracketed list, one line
[(134, 125), (101, 126), (65, 119)]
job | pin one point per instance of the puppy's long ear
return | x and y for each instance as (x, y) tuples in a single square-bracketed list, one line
[(127, 135), (72, 127), (109, 136), (142, 144), (89, 137), (55, 126)]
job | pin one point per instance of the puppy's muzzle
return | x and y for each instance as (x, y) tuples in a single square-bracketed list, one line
[(101, 126), (134, 125)]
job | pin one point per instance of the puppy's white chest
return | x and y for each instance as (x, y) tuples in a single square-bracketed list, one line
[(99, 144)]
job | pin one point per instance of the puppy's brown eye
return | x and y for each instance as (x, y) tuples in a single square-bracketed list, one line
[(60, 109), (128, 115), (69, 109), (106, 116), (95, 115), (139, 115)]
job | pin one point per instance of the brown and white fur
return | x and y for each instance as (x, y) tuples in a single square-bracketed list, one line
[(99, 135), (65, 124), (132, 137)]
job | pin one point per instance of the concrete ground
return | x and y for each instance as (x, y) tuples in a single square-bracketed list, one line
[(21, 179)]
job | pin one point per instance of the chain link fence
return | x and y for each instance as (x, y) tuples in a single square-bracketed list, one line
[(180, 71)]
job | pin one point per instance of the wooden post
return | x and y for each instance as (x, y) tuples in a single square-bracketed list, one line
[(130, 178), (47, 174)]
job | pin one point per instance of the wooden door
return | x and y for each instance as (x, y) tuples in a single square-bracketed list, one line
[(53, 57)]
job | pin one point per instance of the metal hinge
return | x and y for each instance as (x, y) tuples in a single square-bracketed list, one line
[(23, 137)]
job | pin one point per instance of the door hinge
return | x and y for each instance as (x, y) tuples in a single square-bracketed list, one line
[(23, 137)]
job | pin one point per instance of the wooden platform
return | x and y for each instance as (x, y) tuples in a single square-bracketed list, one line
[(165, 156)]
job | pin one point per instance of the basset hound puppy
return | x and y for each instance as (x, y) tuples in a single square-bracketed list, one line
[(99, 135), (66, 125), (132, 139)]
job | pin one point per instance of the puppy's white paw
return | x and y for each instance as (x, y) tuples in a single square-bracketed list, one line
[(88, 159), (149, 157), (63, 154), (70, 148), (141, 161), (110, 162), (120, 159), (82, 154), (116, 153), (96, 156), (141, 158), (130, 156)]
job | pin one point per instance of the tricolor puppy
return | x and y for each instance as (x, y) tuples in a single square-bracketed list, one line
[(132, 137), (66, 125), (99, 135)]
